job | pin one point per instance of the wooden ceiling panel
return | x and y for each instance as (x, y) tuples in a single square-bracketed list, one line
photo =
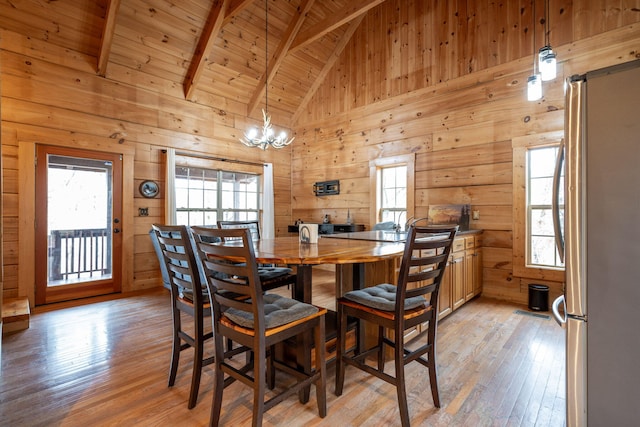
[(74, 25), (161, 45)]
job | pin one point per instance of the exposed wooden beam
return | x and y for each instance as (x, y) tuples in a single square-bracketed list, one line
[(327, 66), (351, 11), (209, 34), (279, 55), (107, 36)]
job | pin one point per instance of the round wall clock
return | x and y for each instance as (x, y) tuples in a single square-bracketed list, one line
[(149, 189)]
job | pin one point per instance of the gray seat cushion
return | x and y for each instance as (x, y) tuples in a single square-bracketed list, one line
[(383, 297), (269, 273), (278, 311)]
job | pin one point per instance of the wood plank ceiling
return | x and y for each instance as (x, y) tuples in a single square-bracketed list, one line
[(210, 52)]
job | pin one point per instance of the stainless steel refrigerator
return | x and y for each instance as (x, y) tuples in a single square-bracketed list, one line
[(601, 246)]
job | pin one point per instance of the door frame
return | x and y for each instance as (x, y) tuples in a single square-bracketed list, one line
[(27, 193), (81, 289)]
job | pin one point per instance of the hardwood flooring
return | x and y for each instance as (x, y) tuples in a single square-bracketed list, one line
[(106, 363)]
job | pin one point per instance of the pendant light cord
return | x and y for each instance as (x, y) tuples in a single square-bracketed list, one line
[(535, 56), (266, 56), (546, 23)]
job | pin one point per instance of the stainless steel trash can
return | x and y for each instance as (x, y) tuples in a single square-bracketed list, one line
[(538, 297)]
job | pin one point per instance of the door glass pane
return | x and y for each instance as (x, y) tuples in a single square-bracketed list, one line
[(79, 201)]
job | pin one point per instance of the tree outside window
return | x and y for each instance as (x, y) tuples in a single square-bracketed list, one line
[(393, 194), (541, 247)]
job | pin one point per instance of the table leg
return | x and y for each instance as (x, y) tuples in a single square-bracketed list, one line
[(302, 290), (359, 283)]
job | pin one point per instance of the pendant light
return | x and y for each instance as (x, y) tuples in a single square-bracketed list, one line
[(268, 138), (546, 56), (534, 82)]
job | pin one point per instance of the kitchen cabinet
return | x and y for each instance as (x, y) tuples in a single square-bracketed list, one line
[(462, 280)]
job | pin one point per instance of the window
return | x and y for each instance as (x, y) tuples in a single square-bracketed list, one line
[(204, 196), (393, 194), (541, 246), (534, 252), (392, 189)]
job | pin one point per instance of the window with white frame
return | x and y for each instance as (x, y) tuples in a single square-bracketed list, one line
[(205, 196), (393, 194), (541, 248)]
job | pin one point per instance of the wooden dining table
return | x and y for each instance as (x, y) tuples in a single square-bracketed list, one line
[(350, 256)]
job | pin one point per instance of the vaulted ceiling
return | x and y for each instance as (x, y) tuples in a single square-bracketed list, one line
[(207, 51)]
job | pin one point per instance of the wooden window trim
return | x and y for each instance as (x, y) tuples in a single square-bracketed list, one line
[(374, 180), (520, 146)]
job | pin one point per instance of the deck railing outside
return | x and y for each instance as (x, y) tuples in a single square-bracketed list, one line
[(79, 254)]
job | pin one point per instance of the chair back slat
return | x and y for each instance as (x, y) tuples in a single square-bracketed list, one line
[(423, 263), (231, 271), (180, 261), (253, 225)]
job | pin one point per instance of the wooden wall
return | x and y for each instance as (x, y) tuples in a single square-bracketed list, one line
[(448, 83), (53, 96), (444, 80)]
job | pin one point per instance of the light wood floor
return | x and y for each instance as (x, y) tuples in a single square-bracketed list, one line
[(106, 363)]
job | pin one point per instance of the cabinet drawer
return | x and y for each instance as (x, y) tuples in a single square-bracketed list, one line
[(469, 242), (458, 244)]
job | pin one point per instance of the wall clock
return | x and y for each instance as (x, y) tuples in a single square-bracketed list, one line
[(149, 189)]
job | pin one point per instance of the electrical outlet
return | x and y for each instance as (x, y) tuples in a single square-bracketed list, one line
[(476, 215), (143, 211)]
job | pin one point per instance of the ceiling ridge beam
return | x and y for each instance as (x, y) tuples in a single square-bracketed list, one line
[(341, 17), (107, 36), (278, 57), (337, 51), (210, 32)]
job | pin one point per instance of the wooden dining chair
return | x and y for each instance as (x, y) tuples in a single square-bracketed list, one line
[(271, 276), (187, 298), (410, 304), (256, 321)]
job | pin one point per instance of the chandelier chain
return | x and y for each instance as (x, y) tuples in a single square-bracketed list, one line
[(252, 138)]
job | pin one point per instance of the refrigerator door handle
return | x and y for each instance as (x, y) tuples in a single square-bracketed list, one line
[(555, 202), (561, 319)]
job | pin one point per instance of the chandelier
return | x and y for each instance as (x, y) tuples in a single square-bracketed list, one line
[(268, 138)]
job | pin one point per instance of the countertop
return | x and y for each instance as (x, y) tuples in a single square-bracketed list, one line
[(383, 235)]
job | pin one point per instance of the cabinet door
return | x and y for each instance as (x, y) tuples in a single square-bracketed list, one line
[(457, 273), (445, 298), (477, 272), (469, 256)]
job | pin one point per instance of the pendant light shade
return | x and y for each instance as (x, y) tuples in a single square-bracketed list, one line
[(546, 56), (534, 87), (547, 63)]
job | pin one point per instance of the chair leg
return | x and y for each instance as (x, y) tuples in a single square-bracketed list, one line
[(340, 349), (381, 358), (321, 383), (433, 367), (218, 388), (197, 371), (259, 387), (271, 370), (400, 380), (175, 351)]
